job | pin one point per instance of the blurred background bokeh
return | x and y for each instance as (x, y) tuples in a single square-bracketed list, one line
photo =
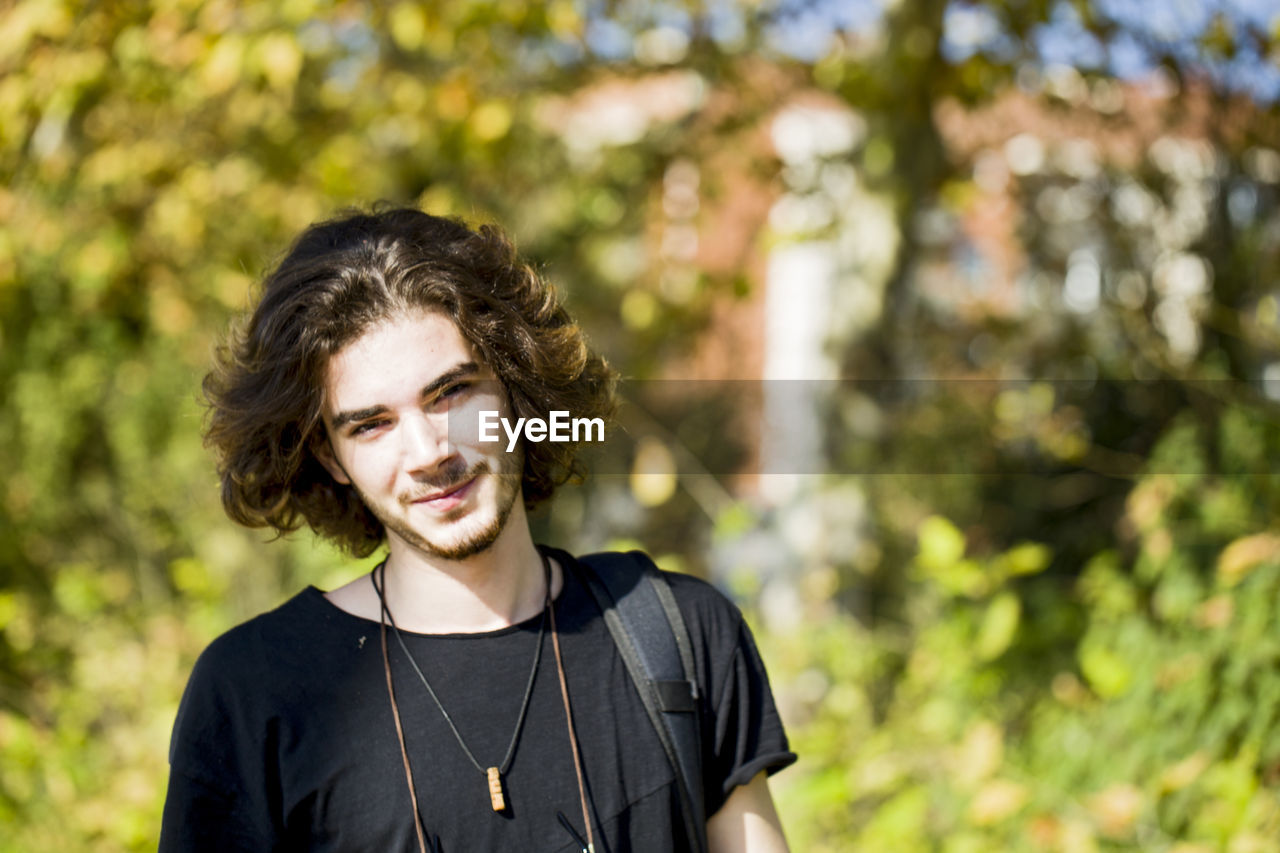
[(956, 326)]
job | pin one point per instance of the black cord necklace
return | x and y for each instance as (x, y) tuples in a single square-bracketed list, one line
[(494, 773)]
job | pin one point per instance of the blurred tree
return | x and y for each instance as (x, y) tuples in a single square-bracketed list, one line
[(1088, 239), (156, 157)]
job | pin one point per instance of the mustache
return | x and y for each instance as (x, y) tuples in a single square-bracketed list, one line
[(451, 475)]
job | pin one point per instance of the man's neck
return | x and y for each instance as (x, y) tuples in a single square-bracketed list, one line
[(498, 587)]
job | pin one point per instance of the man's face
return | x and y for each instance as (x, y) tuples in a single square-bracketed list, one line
[(390, 398)]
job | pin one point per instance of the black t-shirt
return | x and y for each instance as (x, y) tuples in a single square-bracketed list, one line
[(285, 738)]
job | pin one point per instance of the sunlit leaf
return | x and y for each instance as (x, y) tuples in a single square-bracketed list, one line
[(999, 626)]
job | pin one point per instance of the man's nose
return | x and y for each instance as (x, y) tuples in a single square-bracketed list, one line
[(426, 441)]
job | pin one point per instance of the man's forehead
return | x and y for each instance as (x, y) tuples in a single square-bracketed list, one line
[(405, 352)]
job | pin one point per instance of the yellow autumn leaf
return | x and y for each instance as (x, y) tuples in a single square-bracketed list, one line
[(1107, 672), (564, 20), (980, 755), (653, 473), (941, 543), (1116, 810), (999, 626), (639, 308), (997, 800), (1027, 558), (280, 59), (1145, 505), (491, 121), (223, 66), (408, 24), (1245, 554), (1178, 776), (1078, 837)]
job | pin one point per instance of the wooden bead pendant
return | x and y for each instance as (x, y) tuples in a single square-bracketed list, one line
[(495, 790)]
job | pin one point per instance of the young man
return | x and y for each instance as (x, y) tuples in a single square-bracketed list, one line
[(467, 695)]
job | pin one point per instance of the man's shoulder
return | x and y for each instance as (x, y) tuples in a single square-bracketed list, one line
[(705, 608), (247, 646), (702, 604)]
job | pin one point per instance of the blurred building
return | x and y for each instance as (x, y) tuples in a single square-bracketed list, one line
[(1046, 176)]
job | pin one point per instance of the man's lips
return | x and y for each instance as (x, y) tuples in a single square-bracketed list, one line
[(447, 498)]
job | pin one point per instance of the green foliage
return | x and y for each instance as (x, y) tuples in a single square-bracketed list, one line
[(1063, 636), (1159, 730), (156, 158)]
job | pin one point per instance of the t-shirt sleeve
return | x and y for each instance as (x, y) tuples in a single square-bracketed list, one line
[(218, 773), (199, 816), (742, 733), (749, 737)]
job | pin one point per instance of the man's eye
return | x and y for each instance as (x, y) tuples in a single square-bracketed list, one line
[(450, 392), (367, 426), (455, 389)]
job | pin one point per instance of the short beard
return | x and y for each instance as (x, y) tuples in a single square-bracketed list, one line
[(509, 480)]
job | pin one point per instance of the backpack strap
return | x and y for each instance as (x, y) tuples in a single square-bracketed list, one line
[(651, 635)]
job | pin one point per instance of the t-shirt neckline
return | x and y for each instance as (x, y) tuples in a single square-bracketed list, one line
[(314, 593)]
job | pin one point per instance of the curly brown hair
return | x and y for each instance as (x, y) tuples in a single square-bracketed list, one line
[(340, 278)]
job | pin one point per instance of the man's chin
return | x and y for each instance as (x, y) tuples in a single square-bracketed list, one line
[(463, 531), (465, 535), (449, 545)]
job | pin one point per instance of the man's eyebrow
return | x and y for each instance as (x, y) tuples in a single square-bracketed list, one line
[(343, 418), (453, 374)]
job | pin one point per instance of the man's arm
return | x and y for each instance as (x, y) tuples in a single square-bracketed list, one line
[(747, 822)]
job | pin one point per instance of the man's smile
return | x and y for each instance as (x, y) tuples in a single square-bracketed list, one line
[(442, 500)]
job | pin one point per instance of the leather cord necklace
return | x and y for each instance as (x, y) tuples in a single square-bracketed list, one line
[(494, 773), (573, 736)]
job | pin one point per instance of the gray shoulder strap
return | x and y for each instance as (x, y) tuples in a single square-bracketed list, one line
[(651, 635)]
